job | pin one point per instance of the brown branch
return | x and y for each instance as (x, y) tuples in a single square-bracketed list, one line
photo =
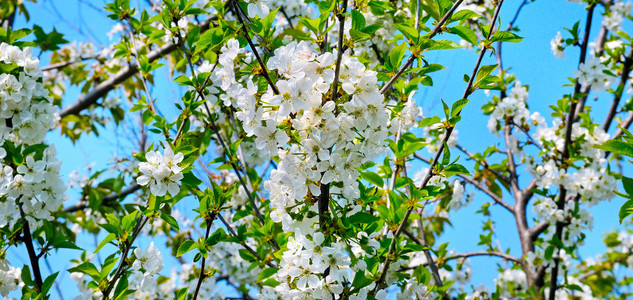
[(202, 263), (568, 131), (485, 253), (250, 43), (28, 243), (539, 228), (63, 64), (625, 125), (127, 246), (429, 174), (484, 163), (243, 243), (427, 254), (102, 89), (626, 69), (411, 58), (138, 63), (108, 198), (478, 185)]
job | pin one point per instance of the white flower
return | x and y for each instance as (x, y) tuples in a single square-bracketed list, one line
[(151, 261), (557, 46), (161, 172)]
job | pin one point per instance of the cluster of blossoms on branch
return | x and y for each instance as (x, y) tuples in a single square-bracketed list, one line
[(30, 185), (311, 196), (161, 172), (30, 171)]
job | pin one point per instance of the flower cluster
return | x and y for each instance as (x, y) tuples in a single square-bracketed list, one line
[(161, 172), (318, 141), (511, 110), (557, 46), (591, 180), (9, 278), (616, 14), (592, 73), (27, 174), (511, 278)]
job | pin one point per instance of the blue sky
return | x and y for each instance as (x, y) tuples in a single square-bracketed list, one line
[(531, 61)]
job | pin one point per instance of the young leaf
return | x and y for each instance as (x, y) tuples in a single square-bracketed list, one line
[(106, 240), (185, 247), (505, 36), (626, 210)]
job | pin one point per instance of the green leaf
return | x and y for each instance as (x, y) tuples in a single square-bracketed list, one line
[(455, 169), (408, 31), (444, 44), (626, 210), (48, 283), (446, 156), (464, 14), (191, 180), (86, 268), (170, 220), (182, 293), (465, 33), (26, 276), (363, 218), (106, 240), (410, 149), (266, 273), (505, 36), (458, 106), (373, 178), (396, 55), (185, 247), (358, 20), (483, 72), (121, 287), (247, 255), (617, 147), (628, 185), (215, 238)]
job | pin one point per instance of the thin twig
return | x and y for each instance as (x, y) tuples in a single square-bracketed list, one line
[(60, 65), (568, 131), (28, 243), (478, 185), (484, 253), (202, 263), (138, 63), (127, 246), (250, 43), (411, 58), (247, 247), (102, 89), (626, 69), (108, 198), (429, 174)]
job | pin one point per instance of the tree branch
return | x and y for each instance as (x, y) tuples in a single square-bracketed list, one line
[(626, 69), (243, 243), (202, 275), (411, 58), (429, 174), (28, 243), (485, 253), (478, 185), (568, 131), (127, 246), (484, 163), (108, 198), (102, 89), (250, 43)]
